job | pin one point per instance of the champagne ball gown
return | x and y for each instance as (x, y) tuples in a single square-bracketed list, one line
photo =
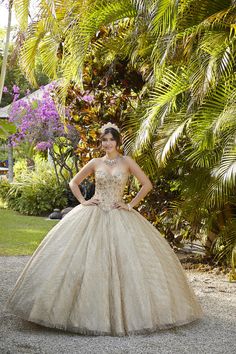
[(104, 271)]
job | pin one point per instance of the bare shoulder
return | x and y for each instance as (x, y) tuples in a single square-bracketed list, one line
[(137, 171), (129, 160), (91, 164), (96, 162)]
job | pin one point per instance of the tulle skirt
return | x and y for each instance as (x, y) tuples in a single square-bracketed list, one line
[(104, 273)]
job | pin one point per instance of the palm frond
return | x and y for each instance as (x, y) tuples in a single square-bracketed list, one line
[(169, 136), (163, 101), (148, 163), (225, 244), (81, 30), (164, 16), (21, 8), (29, 50), (48, 49), (226, 171), (209, 113), (222, 188)]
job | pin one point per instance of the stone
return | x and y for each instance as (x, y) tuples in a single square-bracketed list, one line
[(66, 211), (56, 214)]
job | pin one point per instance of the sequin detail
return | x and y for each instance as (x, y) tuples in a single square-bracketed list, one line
[(109, 188)]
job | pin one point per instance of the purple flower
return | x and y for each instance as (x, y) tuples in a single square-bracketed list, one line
[(15, 89), (44, 145), (88, 98), (38, 122), (16, 96), (5, 89)]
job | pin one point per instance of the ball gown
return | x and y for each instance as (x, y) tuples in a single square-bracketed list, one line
[(104, 271)]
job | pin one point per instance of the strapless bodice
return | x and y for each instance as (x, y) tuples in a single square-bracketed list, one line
[(109, 188)]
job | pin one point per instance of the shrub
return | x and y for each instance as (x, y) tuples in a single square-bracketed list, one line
[(20, 168), (35, 192), (4, 188)]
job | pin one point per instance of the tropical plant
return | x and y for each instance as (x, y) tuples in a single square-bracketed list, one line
[(34, 192), (185, 52), (5, 53)]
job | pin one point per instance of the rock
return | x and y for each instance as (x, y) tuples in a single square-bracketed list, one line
[(56, 214), (66, 211), (216, 271), (207, 267), (207, 280)]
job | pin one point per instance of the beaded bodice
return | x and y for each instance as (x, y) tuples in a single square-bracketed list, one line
[(109, 188)]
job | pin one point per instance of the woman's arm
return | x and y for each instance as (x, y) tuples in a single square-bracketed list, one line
[(135, 170), (142, 178), (87, 170)]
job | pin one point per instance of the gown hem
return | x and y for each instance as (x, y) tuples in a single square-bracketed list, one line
[(87, 331)]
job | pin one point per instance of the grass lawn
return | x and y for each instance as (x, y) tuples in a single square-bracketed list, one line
[(20, 234)]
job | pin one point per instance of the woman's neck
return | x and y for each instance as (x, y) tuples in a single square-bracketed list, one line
[(112, 155)]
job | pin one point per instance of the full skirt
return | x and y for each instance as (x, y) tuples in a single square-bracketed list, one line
[(104, 273)]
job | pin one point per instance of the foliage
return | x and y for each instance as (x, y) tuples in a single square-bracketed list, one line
[(91, 108), (39, 125), (35, 192), (3, 150), (158, 209), (5, 187), (184, 121), (188, 115), (37, 121), (16, 84)]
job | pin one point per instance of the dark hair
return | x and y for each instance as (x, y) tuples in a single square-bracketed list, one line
[(115, 134)]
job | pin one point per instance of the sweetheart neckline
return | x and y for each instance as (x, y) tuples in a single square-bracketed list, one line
[(112, 175)]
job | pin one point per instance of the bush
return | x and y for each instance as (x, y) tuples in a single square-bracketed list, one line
[(4, 188), (20, 168), (35, 192)]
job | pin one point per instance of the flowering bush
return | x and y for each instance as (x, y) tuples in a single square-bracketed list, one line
[(12, 94), (39, 124)]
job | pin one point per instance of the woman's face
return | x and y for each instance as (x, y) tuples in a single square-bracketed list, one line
[(109, 143)]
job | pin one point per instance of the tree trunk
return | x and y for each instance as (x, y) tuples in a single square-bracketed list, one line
[(5, 55), (51, 153), (10, 163)]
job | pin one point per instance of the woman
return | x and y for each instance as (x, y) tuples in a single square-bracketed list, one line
[(104, 269)]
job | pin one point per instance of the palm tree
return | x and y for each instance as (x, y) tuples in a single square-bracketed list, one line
[(22, 9), (185, 51), (5, 54), (2, 80)]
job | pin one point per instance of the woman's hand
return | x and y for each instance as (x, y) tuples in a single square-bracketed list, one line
[(92, 201), (121, 205)]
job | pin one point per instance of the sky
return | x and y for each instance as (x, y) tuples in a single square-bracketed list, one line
[(4, 16)]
